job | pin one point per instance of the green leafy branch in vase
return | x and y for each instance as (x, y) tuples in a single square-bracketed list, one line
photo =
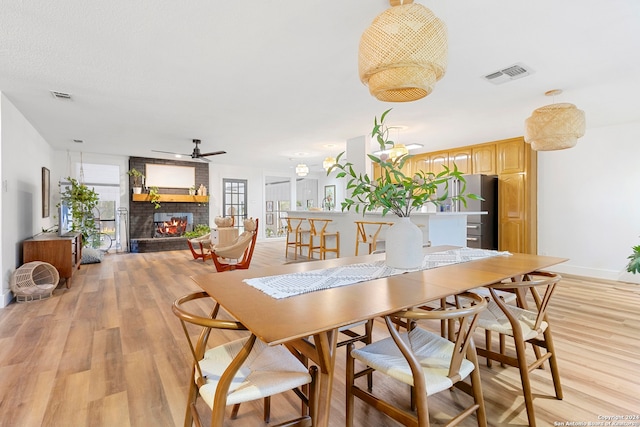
[(394, 191)]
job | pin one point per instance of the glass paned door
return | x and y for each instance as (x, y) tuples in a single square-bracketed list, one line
[(235, 200)]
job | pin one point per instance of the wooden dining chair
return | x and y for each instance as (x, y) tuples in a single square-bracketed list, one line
[(241, 370), (424, 360), (525, 326)]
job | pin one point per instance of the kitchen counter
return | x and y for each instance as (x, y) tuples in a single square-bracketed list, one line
[(438, 228)]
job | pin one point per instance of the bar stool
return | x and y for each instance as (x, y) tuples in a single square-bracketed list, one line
[(295, 230), (318, 229), (370, 239)]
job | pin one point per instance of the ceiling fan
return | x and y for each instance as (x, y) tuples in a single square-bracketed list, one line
[(196, 154)]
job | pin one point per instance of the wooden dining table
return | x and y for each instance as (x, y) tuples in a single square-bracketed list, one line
[(291, 321)]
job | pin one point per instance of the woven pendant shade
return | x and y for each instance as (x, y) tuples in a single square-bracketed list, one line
[(403, 53), (554, 127)]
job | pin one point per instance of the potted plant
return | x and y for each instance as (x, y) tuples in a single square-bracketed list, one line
[(192, 190), (634, 261), (397, 193), (82, 200), (137, 180), (198, 231), (154, 196)]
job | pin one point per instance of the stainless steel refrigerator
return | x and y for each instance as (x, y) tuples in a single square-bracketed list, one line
[(482, 230)]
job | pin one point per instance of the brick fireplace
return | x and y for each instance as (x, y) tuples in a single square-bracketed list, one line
[(142, 227)]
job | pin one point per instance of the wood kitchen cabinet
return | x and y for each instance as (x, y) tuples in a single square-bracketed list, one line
[(515, 163), (63, 252), (483, 158), (517, 169), (462, 159)]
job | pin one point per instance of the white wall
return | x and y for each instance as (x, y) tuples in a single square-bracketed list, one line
[(589, 204), (24, 153)]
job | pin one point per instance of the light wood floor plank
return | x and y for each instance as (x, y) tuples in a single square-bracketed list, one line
[(109, 352)]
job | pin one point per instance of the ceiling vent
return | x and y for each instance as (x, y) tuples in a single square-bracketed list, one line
[(60, 95), (513, 72)]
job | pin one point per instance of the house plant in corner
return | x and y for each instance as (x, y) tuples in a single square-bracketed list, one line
[(82, 200), (395, 192)]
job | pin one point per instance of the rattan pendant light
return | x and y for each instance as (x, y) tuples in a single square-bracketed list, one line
[(555, 126), (403, 53)]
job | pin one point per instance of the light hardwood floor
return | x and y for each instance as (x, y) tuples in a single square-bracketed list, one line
[(109, 352)]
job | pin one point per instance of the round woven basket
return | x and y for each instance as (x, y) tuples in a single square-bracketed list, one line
[(403, 53), (34, 281), (554, 127)]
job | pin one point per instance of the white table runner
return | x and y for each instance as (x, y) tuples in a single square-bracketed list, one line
[(287, 285)]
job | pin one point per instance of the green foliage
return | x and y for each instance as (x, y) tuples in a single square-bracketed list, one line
[(82, 200), (394, 191), (137, 177), (199, 230), (634, 261), (155, 197)]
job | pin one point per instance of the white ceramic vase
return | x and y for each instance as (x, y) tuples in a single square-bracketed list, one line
[(137, 190), (403, 245)]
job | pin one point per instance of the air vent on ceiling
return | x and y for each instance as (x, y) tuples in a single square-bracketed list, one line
[(78, 141), (60, 95), (513, 72)]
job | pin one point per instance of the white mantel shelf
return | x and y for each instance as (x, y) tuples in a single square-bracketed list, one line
[(438, 228)]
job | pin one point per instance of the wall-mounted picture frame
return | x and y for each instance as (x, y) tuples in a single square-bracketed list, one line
[(330, 195), (269, 219), (46, 192), (269, 205)]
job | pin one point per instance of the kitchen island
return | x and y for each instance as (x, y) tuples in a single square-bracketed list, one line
[(438, 228)]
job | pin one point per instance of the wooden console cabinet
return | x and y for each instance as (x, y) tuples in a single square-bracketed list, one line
[(63, 252)]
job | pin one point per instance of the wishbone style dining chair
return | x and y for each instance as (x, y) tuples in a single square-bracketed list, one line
[(424, 360), (525, 326), (239, 371)]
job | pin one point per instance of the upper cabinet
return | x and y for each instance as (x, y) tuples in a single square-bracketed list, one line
[(462, 159), (484, 159), (511, 156)]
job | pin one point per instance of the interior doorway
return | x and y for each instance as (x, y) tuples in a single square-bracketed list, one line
[(277, 196), (234, 201)]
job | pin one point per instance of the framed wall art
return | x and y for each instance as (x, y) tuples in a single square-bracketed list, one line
[(329, 196)]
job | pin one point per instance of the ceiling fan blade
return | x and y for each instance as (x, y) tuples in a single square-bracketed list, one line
[(171, 152), (213, 153)]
